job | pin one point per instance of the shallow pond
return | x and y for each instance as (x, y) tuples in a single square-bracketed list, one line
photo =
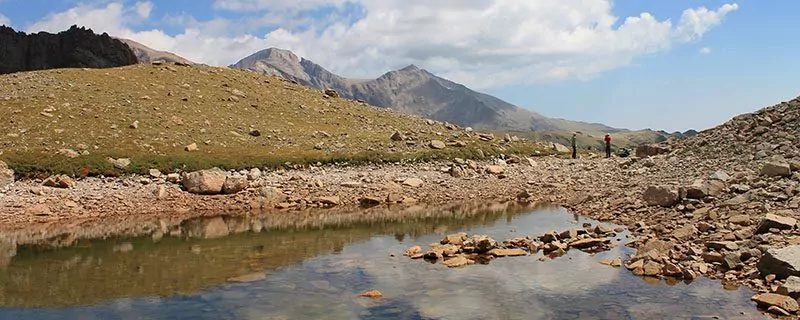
[(195, 271)]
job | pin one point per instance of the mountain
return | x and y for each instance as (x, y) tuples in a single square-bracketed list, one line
[(148, 55), (416, 91), (73, 48)]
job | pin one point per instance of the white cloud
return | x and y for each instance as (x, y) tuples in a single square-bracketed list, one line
[(481, 43), (705, 50), (4, 20)]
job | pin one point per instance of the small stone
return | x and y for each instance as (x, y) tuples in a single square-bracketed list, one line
[(437, 144), (507, 252), (371, 294), (191, 147), (457, 262), (413, 182), (776, 169)]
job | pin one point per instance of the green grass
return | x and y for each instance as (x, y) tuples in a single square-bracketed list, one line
[(176, 106)]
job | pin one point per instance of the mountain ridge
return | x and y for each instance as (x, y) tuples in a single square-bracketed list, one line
[(414, 90)]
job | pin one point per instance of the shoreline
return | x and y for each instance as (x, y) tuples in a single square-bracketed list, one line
[(608, 190)]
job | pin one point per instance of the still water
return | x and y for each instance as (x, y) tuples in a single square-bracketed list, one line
[(314, 267)]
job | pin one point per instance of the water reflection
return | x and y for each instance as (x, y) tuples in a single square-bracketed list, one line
[(317, 272)]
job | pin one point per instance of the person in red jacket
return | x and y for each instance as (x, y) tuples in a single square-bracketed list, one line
[(607, 139)]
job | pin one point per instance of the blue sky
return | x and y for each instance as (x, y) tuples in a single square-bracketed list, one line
[(661, 70)]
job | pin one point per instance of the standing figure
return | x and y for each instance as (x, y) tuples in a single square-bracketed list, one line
[(608, 145), (574, 146)]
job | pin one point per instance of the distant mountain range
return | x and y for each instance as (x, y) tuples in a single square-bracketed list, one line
[(417, 91)]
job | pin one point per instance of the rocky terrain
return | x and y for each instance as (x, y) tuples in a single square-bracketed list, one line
[(416, 91), (73, 48), (146, 54), (723, 204)]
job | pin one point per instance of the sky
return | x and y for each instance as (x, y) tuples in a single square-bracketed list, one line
[(666, 65)]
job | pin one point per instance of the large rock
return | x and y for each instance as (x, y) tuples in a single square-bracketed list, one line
[(783, 263), (73, 48), (661, 196), (6, 175), (650, 150), (234, 184), (437, 144), (774, 221), (766, 300), (205, 182), (701, 189), (776, 169), (479, 244), (59, 181), (791, 287)]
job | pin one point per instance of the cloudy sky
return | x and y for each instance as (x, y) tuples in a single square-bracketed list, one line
[(670, 65)]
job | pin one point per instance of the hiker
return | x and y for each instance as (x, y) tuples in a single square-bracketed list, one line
[(607, 139), (574, 146)]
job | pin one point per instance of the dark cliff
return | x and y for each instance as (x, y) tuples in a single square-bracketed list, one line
[(73, 48)]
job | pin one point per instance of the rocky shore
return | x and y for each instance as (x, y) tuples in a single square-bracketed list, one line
[(722, 204)]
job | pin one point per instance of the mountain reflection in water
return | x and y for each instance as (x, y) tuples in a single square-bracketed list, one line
[(316, 265)]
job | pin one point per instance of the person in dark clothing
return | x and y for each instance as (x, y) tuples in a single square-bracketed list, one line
[(574, 146), (607, 139)]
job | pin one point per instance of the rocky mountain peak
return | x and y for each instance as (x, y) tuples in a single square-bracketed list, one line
[(73, 48)]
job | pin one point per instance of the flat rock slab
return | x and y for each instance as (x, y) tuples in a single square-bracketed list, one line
[(775, 221), (507, 252), (457, 261), (767, 300), (783, 263), (588, 243)]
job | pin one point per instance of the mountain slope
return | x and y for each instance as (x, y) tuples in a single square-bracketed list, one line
[(146, 54), (416, 91)]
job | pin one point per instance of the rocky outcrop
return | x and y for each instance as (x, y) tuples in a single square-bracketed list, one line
[(73, 48)]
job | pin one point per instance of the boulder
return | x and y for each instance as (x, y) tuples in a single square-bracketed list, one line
[(783, 263), (397, 136), (661, 196), (701, 189), (234, 184), (455, 239), (330, 200), (120, 163), (766, 300), (479, 244), (774, 221), (493, 169), (776, 169), (650, 150), (413, 182), (206, 182), (791, 287)]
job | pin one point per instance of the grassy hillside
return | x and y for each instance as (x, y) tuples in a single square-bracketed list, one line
[(150, 113)]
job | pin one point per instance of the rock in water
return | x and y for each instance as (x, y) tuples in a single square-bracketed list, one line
[(783, 263), (371, 294), (661, 196), (206, 182), (767, 300)]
